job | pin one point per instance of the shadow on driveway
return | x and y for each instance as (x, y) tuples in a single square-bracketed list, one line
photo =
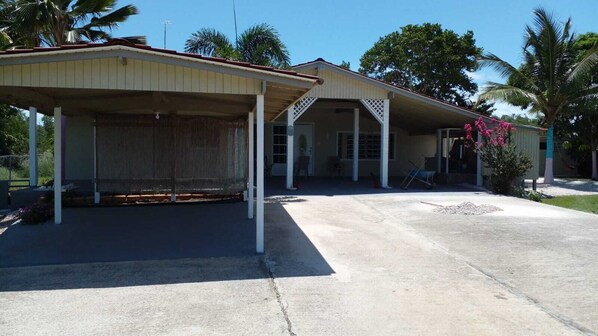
[(153, 245)]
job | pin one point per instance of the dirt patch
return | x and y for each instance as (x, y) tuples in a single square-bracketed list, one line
[(467, 208)]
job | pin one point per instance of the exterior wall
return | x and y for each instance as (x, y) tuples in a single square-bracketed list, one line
[(79, 149), (110, 73), (327, 124), (528, 141), (338, 86)]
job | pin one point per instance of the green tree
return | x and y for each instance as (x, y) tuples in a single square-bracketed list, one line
[(34, 23), (426, 59), (345, 65), (520, 119), (5, 18), (13, 131), (549, 80), (578, 128), (259, 44), (45, 135)]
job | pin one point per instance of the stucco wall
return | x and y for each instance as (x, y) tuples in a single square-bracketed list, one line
[(327, 124)]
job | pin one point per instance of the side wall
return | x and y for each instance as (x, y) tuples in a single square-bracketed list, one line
[(327, 124), (79, 158), (528, 141)]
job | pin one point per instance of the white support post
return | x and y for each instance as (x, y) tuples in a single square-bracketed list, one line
[(356, 144), (96, 193), (32, 146), (448, 149), (259, 223), (439, 150), (57, 165), (290, 145), (251, 163), (384, 144), (479, 180)]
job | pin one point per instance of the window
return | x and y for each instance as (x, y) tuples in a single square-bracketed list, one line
[(279, 144), (369, 146)]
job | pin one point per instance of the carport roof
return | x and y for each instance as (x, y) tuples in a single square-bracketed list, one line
[(120, 77), (410, 110), (94, 46)]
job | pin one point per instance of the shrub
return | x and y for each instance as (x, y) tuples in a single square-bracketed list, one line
[(37, 213), (499, 154)]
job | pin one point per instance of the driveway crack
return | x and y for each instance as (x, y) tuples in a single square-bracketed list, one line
[(267, 267)]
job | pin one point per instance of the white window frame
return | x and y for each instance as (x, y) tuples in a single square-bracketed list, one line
[(273, 145)]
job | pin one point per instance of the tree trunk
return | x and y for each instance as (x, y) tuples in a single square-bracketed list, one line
[(548, 175)]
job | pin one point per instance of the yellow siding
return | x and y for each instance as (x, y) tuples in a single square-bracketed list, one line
[(528, 142), (109, 73), (341, 86)]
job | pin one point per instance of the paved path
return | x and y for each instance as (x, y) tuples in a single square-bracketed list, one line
[(567, 186), (340, 265)]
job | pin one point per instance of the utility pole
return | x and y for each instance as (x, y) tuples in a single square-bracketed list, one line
[(235, 16), (166, 23)]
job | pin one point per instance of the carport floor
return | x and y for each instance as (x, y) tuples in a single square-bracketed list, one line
[(371, 264), (129, 233)]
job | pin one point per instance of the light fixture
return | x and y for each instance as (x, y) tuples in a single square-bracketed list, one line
[(157, 115)]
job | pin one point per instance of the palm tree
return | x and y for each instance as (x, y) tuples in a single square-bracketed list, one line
[(259, 44), (549, 80), (36, 23)]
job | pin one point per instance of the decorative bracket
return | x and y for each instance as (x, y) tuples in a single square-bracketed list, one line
[(301, 106), (376, 108)]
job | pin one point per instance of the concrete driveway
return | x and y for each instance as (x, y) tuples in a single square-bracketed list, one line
[(343, 265)]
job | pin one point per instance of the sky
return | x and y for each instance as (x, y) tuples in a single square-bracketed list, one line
[(344, 30)]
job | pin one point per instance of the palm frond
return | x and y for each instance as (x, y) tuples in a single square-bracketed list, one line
[(586, 68), (261, 44), (112, 19), (93, 7), (509, 94), (208, 42)]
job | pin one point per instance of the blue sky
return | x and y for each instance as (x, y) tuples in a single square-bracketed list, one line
[(344, 30)]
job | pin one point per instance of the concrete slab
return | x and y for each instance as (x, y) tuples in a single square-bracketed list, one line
[(149, 232), (381, 264)]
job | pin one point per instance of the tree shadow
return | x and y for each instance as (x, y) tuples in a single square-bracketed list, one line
[(153, 245)]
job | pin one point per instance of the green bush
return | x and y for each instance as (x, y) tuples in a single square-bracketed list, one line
[(37, 213), (499, 154)]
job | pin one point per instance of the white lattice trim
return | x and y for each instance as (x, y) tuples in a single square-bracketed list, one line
[(376, 108), (302, 106)]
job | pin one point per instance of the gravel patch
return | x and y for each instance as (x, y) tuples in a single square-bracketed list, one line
[(467, 208)]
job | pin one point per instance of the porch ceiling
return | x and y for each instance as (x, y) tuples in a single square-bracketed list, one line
[(90, 101), (419, 117)]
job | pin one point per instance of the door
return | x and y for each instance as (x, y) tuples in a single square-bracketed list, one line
[(303, 144)]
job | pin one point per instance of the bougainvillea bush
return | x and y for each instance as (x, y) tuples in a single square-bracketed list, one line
[(498, 153), (36, 213)]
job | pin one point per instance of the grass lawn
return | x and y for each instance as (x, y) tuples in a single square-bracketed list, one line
[(583, 203)]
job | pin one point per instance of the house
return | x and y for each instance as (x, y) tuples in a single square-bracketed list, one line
[(396, 128), (139, 119)]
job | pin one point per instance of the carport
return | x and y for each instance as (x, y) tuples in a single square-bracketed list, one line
[(121, 108)]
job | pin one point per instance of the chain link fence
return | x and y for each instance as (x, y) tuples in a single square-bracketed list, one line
[(15, 169)]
